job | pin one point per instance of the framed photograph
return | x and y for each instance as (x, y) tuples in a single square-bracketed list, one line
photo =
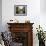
[(20, 10)]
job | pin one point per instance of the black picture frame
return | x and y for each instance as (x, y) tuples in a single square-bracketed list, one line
[(20, 10)]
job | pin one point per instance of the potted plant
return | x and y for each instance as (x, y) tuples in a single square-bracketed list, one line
[(41, 36)]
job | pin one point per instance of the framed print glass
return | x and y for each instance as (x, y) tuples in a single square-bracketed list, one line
[(20, 10)]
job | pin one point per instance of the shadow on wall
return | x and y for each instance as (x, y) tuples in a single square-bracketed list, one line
[(0, 15), (43, 6)]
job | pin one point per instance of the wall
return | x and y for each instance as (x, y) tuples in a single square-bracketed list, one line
[(0, 15), (43, 14), (33, 10), (43, 5), (34, 14)]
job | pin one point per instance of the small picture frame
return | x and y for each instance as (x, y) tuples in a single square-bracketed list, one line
[(20, 10)]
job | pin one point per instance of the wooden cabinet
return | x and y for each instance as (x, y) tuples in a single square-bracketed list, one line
[(22, 33)]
